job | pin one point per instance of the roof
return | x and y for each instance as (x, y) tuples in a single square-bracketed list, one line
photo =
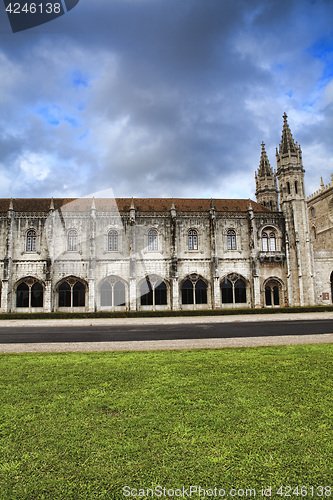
[(124, 204)]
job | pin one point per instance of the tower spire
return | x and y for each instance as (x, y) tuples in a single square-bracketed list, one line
[(287, 144), (264, 165), (266, 186)]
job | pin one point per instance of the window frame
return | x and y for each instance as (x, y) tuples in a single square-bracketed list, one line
[(231, 293), (231, 239), (74, 293), (72, 240), (195, 293), (31, 241), (153, 293), (192, 240), (31, 296), (153, 240), (113, 240)]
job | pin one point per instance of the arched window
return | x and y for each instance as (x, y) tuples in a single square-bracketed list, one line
[(72, 293), (200, 292), (268, 296), (79, 294), (272, 242), (146, 292), (119, 294), (152, 240), (194, 292), (240, 291), (288, 187), (227, 295), (22, 295), (192, 239), (161, 294), (30, 293), (268, 241), (31, 241), (153, 293), (264, 238), (106, 294), (312, 212), (187, 292), (272, 294), (233, 291), (65, 293), (296, 187), (231, 239), (112, 241), (37, 295), (72, 241), (112, 294)]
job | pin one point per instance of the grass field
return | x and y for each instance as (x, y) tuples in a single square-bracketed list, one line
[(82, 426)]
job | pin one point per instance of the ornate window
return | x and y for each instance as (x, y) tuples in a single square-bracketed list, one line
[(29, 293), (31, 241), (233, 291), (231, 239), (192, 239), (72, 241), (153, 292), (272, 242), (152, 240), (264, 238), (227, 292), (194, 291), (112, 241), (313, 212), (71, 293), (268, 241), (112, 294), (272, 294)]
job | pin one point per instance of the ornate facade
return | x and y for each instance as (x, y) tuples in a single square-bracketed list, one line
[(152, 254)]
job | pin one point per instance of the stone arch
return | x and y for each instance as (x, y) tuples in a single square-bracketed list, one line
[(273, 290), (194, 290), (153, 290), (272, 244), (113, 292), (29, 293), (234, 289), (71, 292)]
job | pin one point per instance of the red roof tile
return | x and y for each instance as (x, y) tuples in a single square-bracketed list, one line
[(124, 204)]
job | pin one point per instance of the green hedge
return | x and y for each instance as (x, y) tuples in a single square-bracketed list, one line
[(163, 314)]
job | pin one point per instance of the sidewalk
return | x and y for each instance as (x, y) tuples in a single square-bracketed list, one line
[(168, 344)]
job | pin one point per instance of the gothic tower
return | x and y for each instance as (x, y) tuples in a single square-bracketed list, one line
[(266, 186), (290, 174)]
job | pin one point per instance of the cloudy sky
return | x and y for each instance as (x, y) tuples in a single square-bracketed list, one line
[(159, 98)]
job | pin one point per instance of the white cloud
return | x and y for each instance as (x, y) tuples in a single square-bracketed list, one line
[(35, 167)]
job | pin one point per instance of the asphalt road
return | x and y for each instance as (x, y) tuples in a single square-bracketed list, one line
[(44, 334)]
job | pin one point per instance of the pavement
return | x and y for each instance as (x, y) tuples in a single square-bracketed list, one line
[(168, 344)]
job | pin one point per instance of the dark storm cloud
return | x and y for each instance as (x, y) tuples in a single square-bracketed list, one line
[(161, 98)]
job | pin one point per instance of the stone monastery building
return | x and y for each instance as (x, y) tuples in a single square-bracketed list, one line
[(179, 254)]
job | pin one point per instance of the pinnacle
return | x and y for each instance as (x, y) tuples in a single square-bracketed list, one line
[(264, 166), (287, 142)]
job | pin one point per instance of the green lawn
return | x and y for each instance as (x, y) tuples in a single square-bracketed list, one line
[(84, 425)]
